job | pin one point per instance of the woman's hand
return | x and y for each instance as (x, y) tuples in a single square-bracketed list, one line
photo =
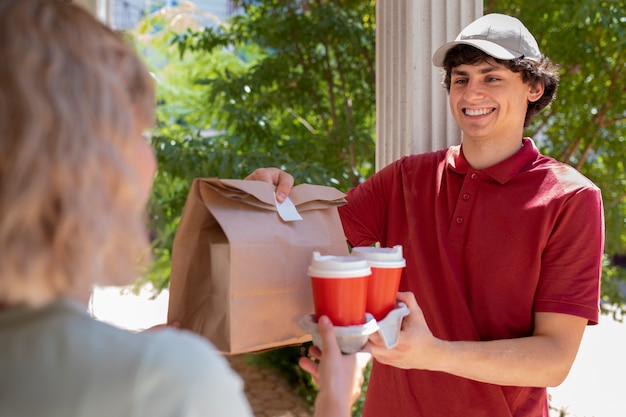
[(175, 325), (338, 376)]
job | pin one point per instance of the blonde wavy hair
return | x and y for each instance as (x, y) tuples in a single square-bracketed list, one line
[(72, 96)]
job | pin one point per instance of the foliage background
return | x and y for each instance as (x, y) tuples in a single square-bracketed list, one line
[(291, 83), (239, 96)]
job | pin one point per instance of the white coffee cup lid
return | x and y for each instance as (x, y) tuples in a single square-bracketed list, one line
[(331, 266), (381, 257)]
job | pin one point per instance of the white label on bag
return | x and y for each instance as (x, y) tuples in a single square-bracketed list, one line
[(286, 210)]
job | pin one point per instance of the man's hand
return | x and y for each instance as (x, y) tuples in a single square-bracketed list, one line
[(282, 180), (416, 348), (542, 359)]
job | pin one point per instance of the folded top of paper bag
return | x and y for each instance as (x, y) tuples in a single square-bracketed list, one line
[(260, 193)]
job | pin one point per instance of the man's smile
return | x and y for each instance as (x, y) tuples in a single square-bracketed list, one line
[(478, 112)]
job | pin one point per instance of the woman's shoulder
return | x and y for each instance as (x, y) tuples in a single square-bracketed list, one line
[(180, 354), (181, 348), (192, 373)]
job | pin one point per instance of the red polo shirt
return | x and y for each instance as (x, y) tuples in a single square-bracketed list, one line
[(485, 250)]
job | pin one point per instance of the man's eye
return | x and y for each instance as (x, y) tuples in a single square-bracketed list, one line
[(460, 81)]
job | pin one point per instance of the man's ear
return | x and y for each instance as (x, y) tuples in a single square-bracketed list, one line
[(535, 92)]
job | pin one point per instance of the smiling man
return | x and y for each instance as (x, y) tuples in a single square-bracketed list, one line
[(503, 245)]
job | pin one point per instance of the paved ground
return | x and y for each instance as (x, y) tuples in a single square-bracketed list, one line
[(269, 394)]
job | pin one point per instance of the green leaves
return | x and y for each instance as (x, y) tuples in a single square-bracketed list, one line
[(292, 84), (288, 84)]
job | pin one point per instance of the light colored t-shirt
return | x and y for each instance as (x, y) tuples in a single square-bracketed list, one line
[(57, 361)]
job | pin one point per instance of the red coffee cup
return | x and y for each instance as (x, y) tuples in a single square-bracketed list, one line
[(339, 286), (382, 287)]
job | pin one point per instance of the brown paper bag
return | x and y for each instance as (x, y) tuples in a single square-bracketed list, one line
[(239, 272)]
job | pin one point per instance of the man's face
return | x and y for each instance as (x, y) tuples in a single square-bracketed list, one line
[(489, 101)]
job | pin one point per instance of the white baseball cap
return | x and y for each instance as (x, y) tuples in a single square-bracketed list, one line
[(498, 35)]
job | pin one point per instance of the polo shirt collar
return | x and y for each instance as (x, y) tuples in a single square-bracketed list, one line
[(502, 171)]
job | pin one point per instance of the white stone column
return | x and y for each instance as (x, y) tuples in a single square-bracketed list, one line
[(100, 8), (412, 113)]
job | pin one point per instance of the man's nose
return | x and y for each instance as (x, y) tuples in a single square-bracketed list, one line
[(474, 89)]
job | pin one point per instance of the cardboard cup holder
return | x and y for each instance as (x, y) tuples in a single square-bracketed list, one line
[(349, 338), (389, 327), (352, 338)]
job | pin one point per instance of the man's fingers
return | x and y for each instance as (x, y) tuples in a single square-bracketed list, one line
[(282, 180), (264, 174), (284, 186), (407, 298)]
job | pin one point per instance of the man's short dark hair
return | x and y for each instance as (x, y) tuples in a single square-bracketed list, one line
[(544, 71)]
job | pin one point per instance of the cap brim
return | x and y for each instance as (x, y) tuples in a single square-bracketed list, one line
[(487, 47)]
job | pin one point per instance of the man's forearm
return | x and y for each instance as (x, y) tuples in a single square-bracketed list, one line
[(541, 360)]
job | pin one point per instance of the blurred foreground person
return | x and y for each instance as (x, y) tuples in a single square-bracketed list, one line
[(75, 176)]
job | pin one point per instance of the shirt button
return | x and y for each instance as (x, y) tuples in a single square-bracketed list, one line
[(474, 176), (459, 220), (466, 196)]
